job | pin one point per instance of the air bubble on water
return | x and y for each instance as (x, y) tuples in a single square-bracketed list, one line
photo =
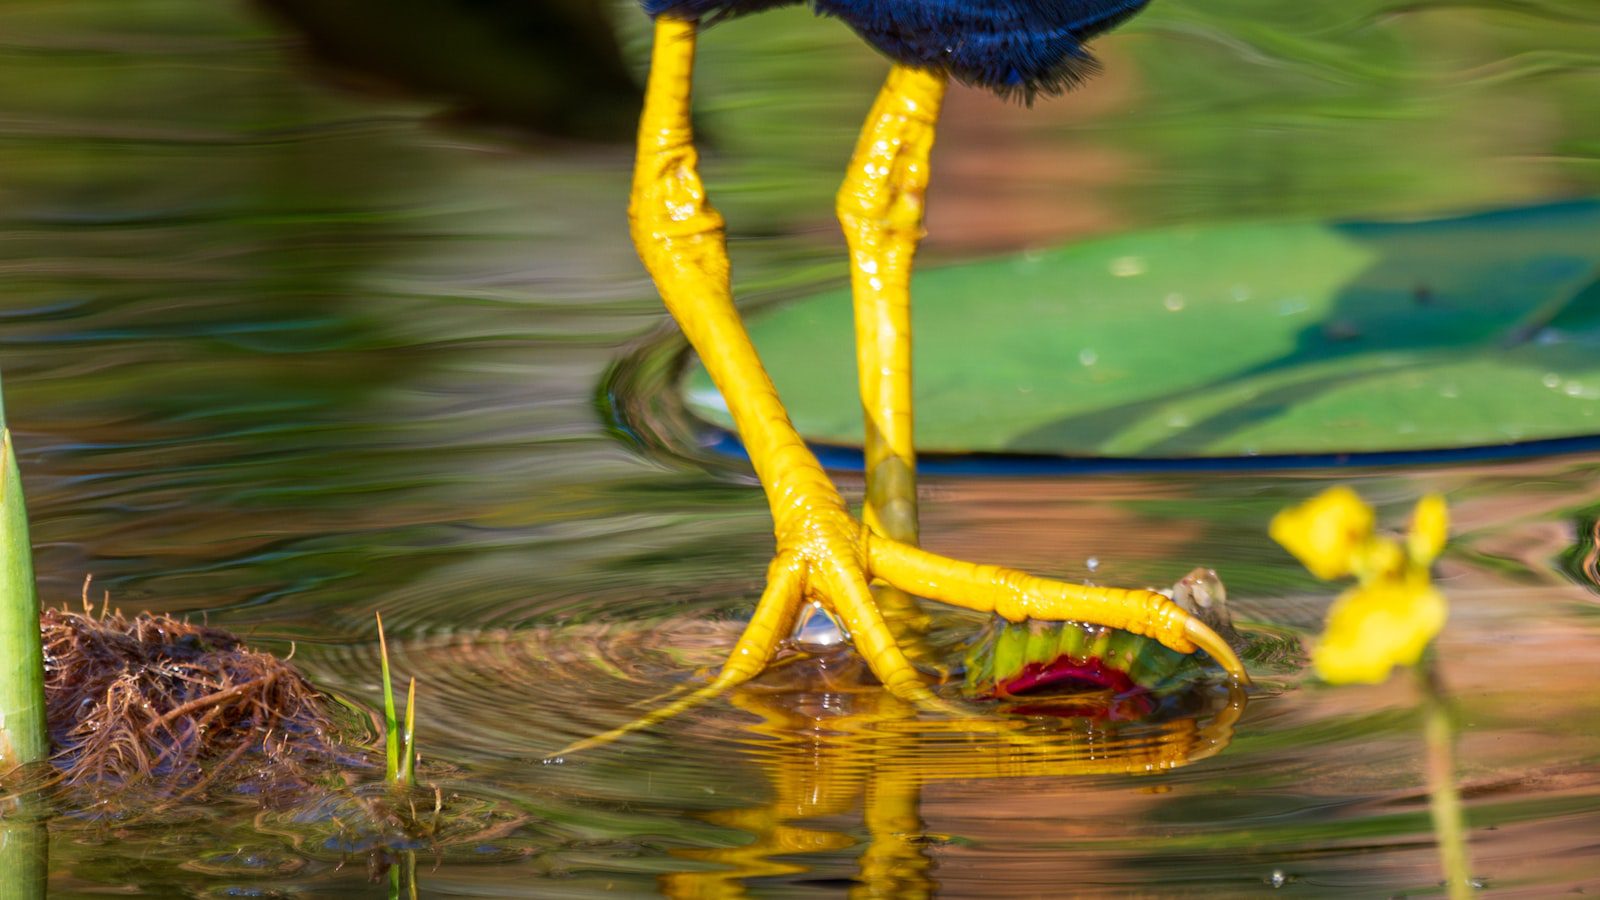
[(1278, 878), (1552, 380), (1093, 563), (1088, 357), (1173, 302)]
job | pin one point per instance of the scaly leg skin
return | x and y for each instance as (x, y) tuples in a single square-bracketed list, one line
[(880, 209), (824, 554)]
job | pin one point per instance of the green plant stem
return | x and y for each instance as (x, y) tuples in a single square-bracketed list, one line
[(24, 855), (23, 738), (391, 727), (1444, 800), (408, 750), (403, 877)]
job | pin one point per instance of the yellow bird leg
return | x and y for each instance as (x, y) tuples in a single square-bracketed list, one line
[(680, 239), (822, 551), (880, 207)]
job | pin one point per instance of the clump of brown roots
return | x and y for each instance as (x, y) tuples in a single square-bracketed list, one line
[(154, 698)]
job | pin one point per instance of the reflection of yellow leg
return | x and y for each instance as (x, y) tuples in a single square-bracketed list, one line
[(880, 207), (823, 552), (893, 863), (809, 779)]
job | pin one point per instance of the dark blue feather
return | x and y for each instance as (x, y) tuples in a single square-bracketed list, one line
[(1011, 46)]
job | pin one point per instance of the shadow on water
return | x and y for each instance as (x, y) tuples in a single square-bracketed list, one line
[(552, 66)]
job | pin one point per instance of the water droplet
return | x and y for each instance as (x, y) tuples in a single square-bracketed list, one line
[(1573, 389), (1127, 266), (1241, 293), (818, 629), (1093, 563), (1552, 380), (1278, 878), (1173, 302), (1088, 357), (1450, 392), (1292, 306)]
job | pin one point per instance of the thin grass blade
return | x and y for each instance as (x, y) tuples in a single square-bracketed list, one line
[(391, 725), (408, 765)]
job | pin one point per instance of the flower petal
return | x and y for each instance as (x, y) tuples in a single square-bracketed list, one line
[(1375, 627), (1327, 532), (1430, 528)]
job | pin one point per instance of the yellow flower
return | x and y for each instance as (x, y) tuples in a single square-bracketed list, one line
[(1394, 611), (1375, 627), (1326, 533), (1430, 527)]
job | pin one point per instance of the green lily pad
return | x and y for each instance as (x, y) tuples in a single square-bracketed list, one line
[(1231, 340)]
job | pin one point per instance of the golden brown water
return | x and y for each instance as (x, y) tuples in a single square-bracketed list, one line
[(284, 356)]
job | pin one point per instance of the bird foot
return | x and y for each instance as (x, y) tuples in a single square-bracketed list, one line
[(827, 557)]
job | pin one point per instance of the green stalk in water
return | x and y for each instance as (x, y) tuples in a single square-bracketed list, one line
[(400, 749), (400, 763), (403, 877), (24, 856), (1444, 800), (24, 842), (23, 738)]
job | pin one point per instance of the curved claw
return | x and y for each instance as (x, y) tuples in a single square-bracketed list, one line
[(1201, 635)]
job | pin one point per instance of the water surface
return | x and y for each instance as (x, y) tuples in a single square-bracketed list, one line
[(284, 355)]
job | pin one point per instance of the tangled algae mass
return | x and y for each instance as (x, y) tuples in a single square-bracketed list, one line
[(149, 696)]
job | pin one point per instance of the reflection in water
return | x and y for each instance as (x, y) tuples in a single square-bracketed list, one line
[(24, 853), (834, 741), (514, 63), (281, 356)]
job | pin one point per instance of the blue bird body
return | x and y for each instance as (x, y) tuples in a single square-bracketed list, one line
[(1021, 47)]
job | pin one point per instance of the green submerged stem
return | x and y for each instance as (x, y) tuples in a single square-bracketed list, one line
[(24, 838), (24, 856), (1444, 799), (23, 738)]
